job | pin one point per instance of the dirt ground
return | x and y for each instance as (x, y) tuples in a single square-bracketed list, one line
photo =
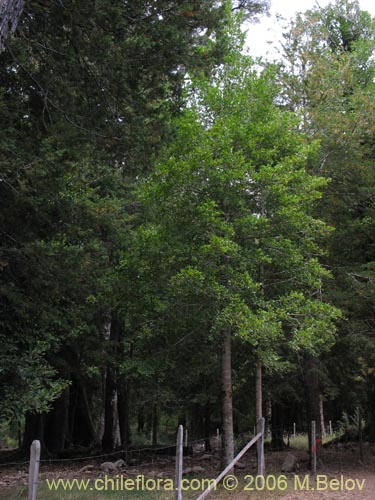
[(354, 480)]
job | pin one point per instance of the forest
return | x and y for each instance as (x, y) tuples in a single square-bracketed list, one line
[(187, 236)]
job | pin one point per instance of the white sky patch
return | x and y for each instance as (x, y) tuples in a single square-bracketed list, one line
[(263, 38)]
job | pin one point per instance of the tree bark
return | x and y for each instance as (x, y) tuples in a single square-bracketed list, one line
[(321, 411), (313, 401), (10, 12), (268, 414), (259, 413), (258, 392), (227, 403), (277, 428), (141, 420), (109, 438), (123, 412), (207, 428), (57, 423), (81, 428), (196, 421), (155, 424), (34, 429), (110, 400)]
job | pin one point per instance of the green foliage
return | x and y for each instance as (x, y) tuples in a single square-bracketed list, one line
[(348, 425), (87, 91), (230, 240), (150, 172), (330, 81)]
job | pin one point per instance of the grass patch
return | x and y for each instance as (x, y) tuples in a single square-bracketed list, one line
[(301, 442)]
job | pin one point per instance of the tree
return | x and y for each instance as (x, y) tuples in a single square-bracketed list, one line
[(329, 54), (88, 90), (229, 211)]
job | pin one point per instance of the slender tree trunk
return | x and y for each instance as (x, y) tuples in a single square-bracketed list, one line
[(141, 419), (321, 411), (108, 439), (155, 424), (123, 395), (277, 428), (88, 413), (258, 392), (123, 412), (19, 434), (110, 400), (313, 400), (259, 409), (57, 423), (207, 427), (148, 422), (196, 421), (116, 423), (268, 414), (81, 428), (227, 404), (34, 429)]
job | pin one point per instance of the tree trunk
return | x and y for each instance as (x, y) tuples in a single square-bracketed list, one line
[(268, 415), (259, 412), (148, 422), (277, 428), (322, 423), (57, 423), (196, 421), (108, 439), (81, 428), (141, 419), (258, 392), (34, 429), (207, 428), (10, 12), (110, 400), (155, 424), (123, 412), (227, 404), (313, 401)]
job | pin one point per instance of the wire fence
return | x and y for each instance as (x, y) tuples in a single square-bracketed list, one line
[(214, 442), (122, 452)]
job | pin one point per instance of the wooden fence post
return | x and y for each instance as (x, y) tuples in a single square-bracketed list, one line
[(34, 469), (313, 448), (260, 448), (179, 460), (228, 468)]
